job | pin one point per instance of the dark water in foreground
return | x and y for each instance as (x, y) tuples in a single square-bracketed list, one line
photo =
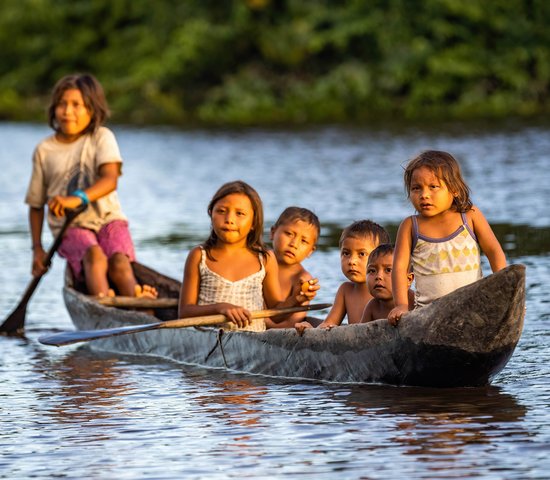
[(73, 413)]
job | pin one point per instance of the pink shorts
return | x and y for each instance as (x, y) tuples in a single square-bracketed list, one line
[(112, 238)]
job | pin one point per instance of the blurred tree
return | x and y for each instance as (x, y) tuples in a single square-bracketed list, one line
[(281, 61)]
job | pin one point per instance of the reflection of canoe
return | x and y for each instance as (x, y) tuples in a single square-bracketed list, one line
[(463, 339)]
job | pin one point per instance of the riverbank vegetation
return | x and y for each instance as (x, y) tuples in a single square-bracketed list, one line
[(275, 62)]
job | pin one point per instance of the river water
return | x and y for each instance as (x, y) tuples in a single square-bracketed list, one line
[(73, 413)]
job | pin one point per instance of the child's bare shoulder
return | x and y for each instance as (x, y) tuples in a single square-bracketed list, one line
[(347, 289), (194, 255)]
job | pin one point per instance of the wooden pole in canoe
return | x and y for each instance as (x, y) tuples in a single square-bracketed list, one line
[(67, 338), (137, 302)]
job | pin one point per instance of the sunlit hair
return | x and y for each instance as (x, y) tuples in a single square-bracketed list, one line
[(445, 168), (254, 239), (92, 94), (365, 229), (294, 214), (380, 251)]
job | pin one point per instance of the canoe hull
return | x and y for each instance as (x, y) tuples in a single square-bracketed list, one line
[(463, 339)]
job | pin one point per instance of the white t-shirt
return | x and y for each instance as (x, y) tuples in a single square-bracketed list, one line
[(61, 168)]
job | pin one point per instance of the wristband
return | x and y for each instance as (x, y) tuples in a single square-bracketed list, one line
[(82, 195)]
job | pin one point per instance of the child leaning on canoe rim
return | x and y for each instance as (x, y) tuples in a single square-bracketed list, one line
[(294, 236), (357, 241), (442, 241), (80, 164), (232, 273)]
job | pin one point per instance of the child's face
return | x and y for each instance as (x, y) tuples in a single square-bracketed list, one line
[(379, 277), (293, 242), (429, 195), (354, 254), (232, 217), (71, 114)]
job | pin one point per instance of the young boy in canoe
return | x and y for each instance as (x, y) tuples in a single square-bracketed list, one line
[(294, 236), (379, 283), (357, 241)]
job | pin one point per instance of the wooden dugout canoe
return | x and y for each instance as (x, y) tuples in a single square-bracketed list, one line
[(463, 339)]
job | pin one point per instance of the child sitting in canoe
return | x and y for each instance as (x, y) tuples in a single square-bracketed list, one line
[(79, 165), (232, 273), (294, 236), (357, 241), (443, 241), (379, 283)]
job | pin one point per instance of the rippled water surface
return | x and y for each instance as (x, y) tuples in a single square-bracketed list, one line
[(73, 413)]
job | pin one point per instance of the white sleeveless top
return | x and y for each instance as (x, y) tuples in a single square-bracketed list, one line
[(246, 292), (441, 265)]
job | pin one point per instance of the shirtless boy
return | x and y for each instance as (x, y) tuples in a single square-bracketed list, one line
[(294, 236), (357, 241), (379, 283)]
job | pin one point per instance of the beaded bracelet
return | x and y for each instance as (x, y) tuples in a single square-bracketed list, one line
[(82, 195)]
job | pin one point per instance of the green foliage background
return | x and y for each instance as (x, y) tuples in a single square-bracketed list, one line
[(247, 62)]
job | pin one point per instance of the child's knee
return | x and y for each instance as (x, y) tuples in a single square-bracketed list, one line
[(95, 256), (119, 263)]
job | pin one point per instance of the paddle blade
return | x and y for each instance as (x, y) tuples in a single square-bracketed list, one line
[(66, 338), (15, 323)]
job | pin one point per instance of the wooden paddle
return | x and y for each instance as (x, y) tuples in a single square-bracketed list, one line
[(15, 323), (137, 302), (66, 338)]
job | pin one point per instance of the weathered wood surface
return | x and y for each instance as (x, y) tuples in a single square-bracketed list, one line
[(463, 339)]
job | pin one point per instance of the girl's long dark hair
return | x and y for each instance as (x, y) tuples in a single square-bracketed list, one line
[(254, 240), (446, 168), (92, 94)]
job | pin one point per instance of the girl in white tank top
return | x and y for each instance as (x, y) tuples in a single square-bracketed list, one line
[(442, 242), (441, 265)]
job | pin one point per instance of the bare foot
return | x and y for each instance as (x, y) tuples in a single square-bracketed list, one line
[(145, 291), (110, 293)]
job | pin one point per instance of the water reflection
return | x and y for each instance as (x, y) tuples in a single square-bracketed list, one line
[(83, 387), (248, 421), (156, 419), (235, 407), (438, 422)]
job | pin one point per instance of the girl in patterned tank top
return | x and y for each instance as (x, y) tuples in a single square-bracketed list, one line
[(441, 242), (232, 272)]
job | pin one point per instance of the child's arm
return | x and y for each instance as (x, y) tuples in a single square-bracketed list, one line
[(289, 321), (338, 310), (189, 295), (36, 221), (106, 183), (487, 239), (272, 288), (334, 317), (401, 260)]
